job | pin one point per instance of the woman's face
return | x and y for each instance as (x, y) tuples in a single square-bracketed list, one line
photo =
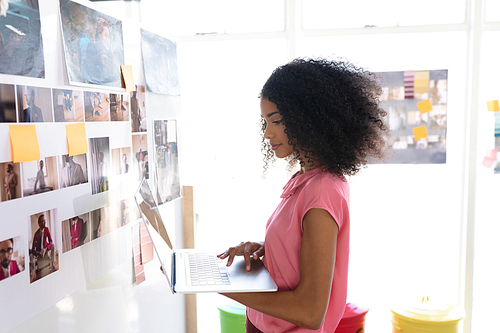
[(275, 130), (106, 40)]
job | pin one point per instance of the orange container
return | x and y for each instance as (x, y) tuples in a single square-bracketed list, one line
[(353, 320)]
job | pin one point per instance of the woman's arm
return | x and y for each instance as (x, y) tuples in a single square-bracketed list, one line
[(306, 305)]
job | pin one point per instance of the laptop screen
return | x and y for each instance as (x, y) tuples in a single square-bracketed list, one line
[(154, 224)]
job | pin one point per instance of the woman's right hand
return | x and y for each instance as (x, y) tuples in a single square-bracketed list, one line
[(246, 249)]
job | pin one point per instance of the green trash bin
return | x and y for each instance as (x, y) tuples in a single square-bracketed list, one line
[(232, 317)]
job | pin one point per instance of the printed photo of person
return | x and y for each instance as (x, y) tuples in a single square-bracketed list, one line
[(100, 222), (96, 106), (43, 249), (166, 160), (72, 170), (21, 47), (11, 257), (99, 164), (34, 104), (138, 110), (93, 45), (120, 158), (10, 173), (140, 156), (39, 176), (68, 105), (119, 107), (75, 231), (7, 103)]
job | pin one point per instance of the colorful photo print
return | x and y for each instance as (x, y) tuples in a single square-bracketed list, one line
[(43, 247), (166, 160), (159, 56), (100, 222), (40, 176), (120, 158), (7, 103), (138, 110), (68, 105), (12, 257), (140, 156), (72, 170), (34, 104), (96, 106), (416, 106), (21, 47), (93, 45), (10, 173), (119, 106), (75, 231), (100, 164)]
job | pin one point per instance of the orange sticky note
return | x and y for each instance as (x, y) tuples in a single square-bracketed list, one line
[(128, 78), (424, 106), (493, 106), (488, 162), (76, 138), (420, 132), (24, 143)]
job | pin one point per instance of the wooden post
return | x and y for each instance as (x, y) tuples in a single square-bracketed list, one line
[(189, 242)]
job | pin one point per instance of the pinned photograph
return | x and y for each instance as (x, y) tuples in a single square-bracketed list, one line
[(119, 107), (10, 173), (72, 170), (140, 156), (166, 160), (159, 56), (40, 176), (96, 106), (138, 110), (7, 103), (12, 257), (68, 105), (34, 104), (93, 45), (121, 159), (21, 47), (43, 248), (75, 231), (100, 222), (100, 164)]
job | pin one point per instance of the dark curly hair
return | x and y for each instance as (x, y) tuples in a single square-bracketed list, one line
[(330, 110)]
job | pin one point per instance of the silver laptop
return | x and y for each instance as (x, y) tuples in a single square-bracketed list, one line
[(190, 271)]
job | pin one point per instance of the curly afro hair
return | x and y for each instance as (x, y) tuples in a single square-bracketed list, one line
[(330, 110)]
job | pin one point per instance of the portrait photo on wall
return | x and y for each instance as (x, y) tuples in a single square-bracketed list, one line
[(159, 56), (138, 110), (416, 106), (12, 257), (119, 106), (10, 173), (166, 160), (99, 164), (93, 45), (75, 232), (7, 103), (68, 105), (72, 170), (100, 222), (140, 156), (96, 106), (34, 104), (120, 161), (21, 46), (39, 176), (43, 247)]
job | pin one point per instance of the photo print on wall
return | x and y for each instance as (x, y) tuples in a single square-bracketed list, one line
[(99, 164), (12, 257), (39, 176), (34, 104), (72, 170), (7, 103), (68, 105), (43, 247), (166, 160), (138, 109), (75, 232), (10, 173)]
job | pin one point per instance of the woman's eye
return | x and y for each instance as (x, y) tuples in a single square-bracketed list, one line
[(277, 122)]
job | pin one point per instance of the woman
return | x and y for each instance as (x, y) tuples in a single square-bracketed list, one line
[(325, 115)]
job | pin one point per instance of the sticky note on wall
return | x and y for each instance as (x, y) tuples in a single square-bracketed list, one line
[(424, 106), (420, 132), (127, 78), (24, 143), (76, 138), (493, 106)]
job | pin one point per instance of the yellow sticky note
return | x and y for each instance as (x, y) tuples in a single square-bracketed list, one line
[(424, 106), (24, 143), (420, 132), (128, 78), (493, 106), (76, 138)]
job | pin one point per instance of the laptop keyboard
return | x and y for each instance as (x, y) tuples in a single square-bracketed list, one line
[(204, 270)]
